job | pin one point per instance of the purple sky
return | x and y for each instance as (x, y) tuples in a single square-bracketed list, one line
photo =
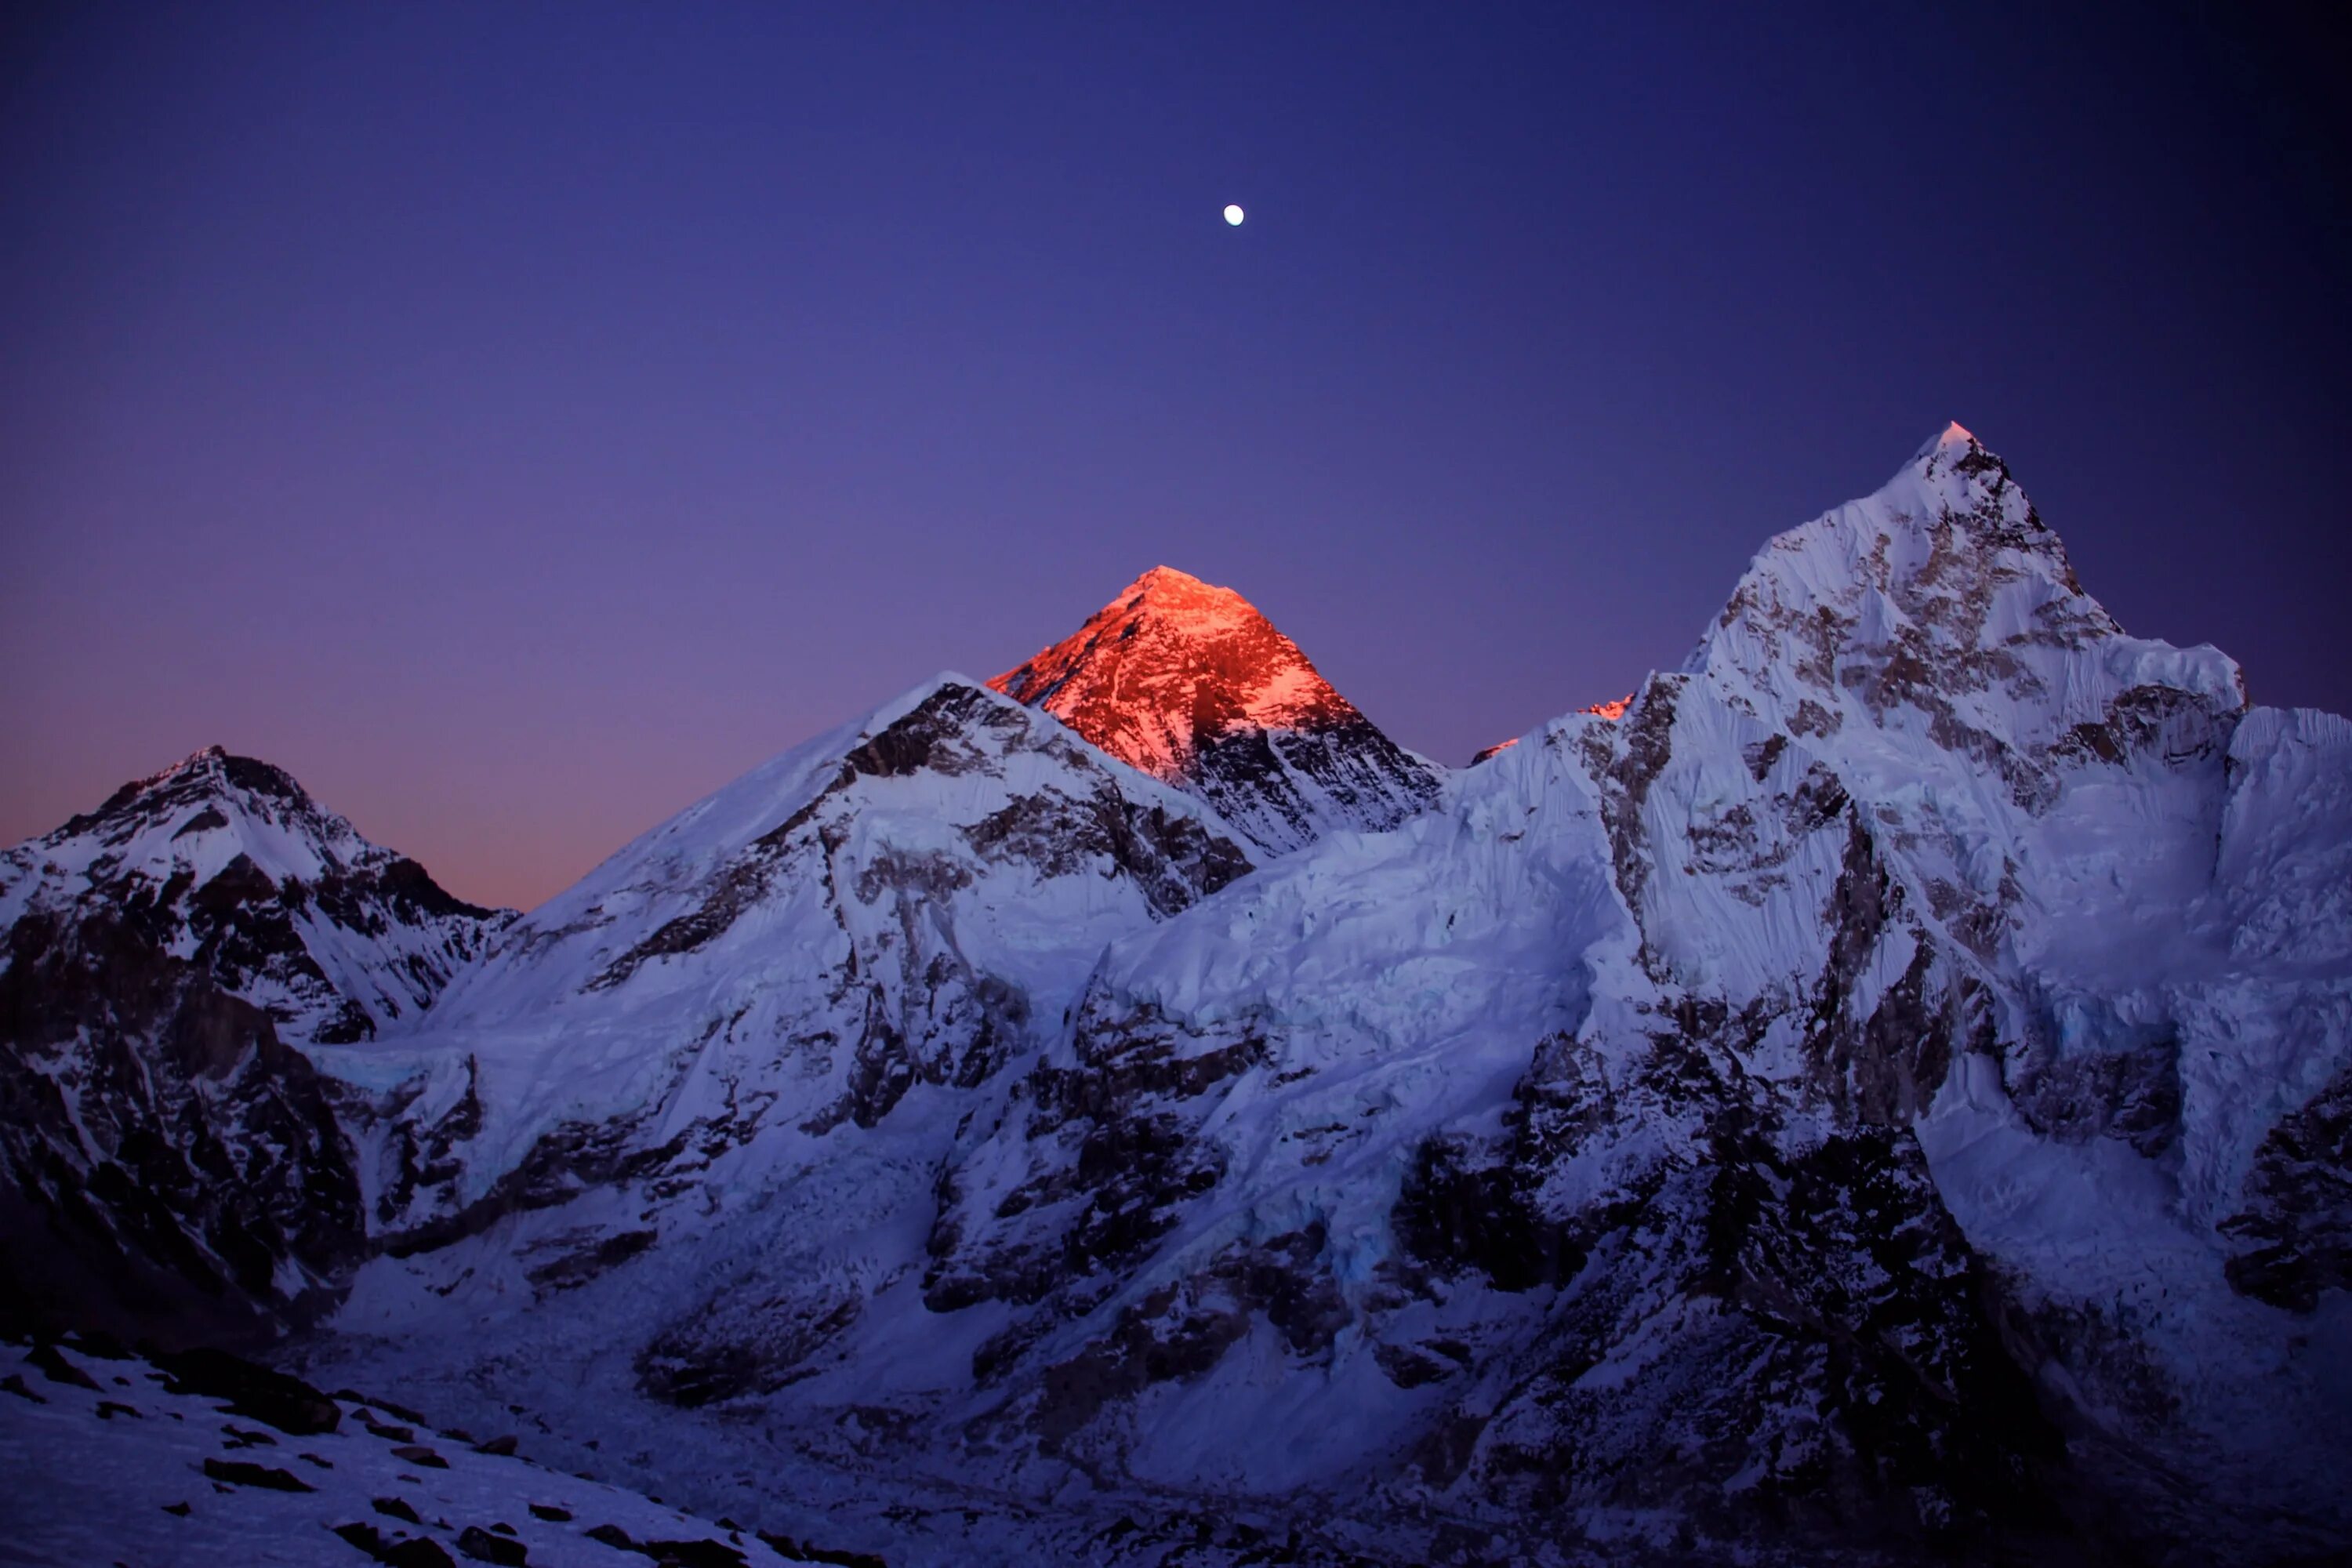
[(517, 421)]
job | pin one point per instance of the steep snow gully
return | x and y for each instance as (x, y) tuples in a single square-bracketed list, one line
[(1881, 1089)]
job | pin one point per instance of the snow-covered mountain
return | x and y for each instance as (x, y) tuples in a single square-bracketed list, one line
[(278, 901), (1190, 684), (894, 910), (171, 1157), (1850, 1093), (1882, 1090)]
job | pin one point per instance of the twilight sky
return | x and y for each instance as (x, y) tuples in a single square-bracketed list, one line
[(519, 420)]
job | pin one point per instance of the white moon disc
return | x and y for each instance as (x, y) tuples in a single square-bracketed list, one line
[(1233, 216)]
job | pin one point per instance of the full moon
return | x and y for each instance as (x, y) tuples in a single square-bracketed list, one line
[(1233, 216)]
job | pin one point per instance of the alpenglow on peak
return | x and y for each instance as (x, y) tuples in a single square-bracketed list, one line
[(1186, 681)]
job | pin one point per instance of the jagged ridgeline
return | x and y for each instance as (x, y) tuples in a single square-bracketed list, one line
[(1879, 1090)]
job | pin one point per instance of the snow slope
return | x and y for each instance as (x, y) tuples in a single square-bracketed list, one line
[(107, 1457)]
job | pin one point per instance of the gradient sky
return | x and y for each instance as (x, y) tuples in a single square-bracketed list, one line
[(518, 421)]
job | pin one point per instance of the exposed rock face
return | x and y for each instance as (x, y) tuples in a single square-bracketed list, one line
[(171, 1166), (2296, 1226), (1190, 684), (175, 1165)]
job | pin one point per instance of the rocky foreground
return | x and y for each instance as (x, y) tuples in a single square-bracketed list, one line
[(199, 1458)]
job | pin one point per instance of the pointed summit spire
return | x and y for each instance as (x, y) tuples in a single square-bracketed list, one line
[(1954, 437), (1187, 681), (1168, 666), (1941, 602)]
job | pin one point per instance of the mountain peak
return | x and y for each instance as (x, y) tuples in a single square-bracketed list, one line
[(1943, 600), (211, 773), (1954, 437), (201, 768), (1170, 665), (1172, 580), (1186, 606), (1185, 680), (229, 864), (1954, 472)]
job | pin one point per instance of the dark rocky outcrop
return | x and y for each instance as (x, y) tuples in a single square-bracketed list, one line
[(237, 1472), (274, 1398), (2294, 1233), (168, 1161)]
